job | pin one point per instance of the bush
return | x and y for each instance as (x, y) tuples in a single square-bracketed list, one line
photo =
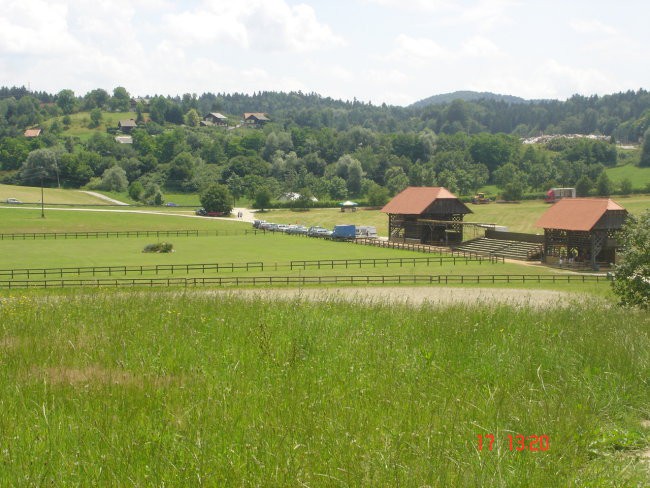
[(136, 190), (159, 247), (632, 277), (626, 186), (513, 191)]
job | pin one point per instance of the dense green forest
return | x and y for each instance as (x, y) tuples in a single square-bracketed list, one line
[(318, 146)]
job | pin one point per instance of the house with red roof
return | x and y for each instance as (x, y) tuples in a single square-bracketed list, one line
[(426, 215), (582, 230)]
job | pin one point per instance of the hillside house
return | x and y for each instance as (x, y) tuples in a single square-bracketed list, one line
[(215, 118), (127, 125), (255, 119)]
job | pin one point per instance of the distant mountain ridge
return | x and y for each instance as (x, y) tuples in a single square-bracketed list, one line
[(467, 96)]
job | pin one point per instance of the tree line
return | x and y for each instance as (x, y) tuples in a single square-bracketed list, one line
[(314, 146)]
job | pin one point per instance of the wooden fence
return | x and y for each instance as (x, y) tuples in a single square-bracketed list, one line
[(126, 233), (413, 246), (248, 266), (300, 280)]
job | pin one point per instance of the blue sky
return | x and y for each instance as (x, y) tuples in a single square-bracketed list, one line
[(392, 51)]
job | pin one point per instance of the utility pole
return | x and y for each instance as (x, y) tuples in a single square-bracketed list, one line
[(42, 199)]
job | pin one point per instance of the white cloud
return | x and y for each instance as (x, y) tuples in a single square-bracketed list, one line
[(35, 27), (592, 26), (419, 49), (544, 79), (486, 15), (417, 5), (482, 14), (266, 25), (480, 47)]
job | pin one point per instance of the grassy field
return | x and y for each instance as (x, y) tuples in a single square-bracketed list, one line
[(640, 177), (29, 194), (79, 123), (518, 217), (185, 387), (158, 389), (269, 249), (16, 219)]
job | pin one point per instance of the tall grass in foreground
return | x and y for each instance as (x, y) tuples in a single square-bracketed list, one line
[(189, 389)]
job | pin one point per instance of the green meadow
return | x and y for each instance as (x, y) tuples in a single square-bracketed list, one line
[(79, 123), (205, 387), (640, 177), (518, 217), (191, 389)]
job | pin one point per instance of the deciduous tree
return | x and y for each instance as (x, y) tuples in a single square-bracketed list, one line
[(217, 198)]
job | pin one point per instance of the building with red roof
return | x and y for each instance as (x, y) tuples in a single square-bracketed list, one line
[(428, 215), (582, 230)]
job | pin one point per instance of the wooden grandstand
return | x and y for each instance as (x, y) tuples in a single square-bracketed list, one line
[(582, 231), (426, 215)]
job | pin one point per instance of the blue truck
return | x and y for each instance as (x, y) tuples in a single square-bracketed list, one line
[(344, 232), (350, 232)]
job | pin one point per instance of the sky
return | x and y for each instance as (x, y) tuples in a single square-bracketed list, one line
[(379, 51)]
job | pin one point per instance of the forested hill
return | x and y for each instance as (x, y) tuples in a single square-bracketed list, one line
[(312, 145), (467, 96), (623, 115)]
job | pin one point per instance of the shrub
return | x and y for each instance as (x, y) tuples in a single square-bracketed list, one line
[(632, 276), (159, 247)]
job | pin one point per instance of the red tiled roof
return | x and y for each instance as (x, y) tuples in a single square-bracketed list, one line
[(32, 132), (580, 214), (416, 199)]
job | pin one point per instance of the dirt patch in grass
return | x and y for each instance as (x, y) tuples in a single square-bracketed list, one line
[(9, 343), (95, 375), (417, 295)]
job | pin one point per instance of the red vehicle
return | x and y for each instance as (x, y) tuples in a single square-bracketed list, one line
[(555, 194)]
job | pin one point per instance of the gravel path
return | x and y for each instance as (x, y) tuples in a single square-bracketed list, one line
[(103, 197), (415, 295)]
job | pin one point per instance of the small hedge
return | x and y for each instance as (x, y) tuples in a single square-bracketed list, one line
[(159, 247)]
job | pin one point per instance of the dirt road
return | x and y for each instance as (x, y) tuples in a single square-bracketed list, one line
[(414, 295)]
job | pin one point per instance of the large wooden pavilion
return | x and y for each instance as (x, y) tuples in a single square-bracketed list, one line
[(427, 215), (582, 230)]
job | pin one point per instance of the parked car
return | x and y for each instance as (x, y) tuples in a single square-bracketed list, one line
[(200, 211), (317, 231), (258, 223), (282, 228), (13, 200), (171, 204), (297, 229)]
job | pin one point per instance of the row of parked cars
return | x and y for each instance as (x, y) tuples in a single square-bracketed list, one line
[(340, 232), (295, 229)]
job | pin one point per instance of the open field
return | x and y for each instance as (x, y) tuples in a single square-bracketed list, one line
[(194, 389), (79, 123), (518, 217), (640, 177), (310, 386), (14, 219), (30, 194), (268, 249)]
